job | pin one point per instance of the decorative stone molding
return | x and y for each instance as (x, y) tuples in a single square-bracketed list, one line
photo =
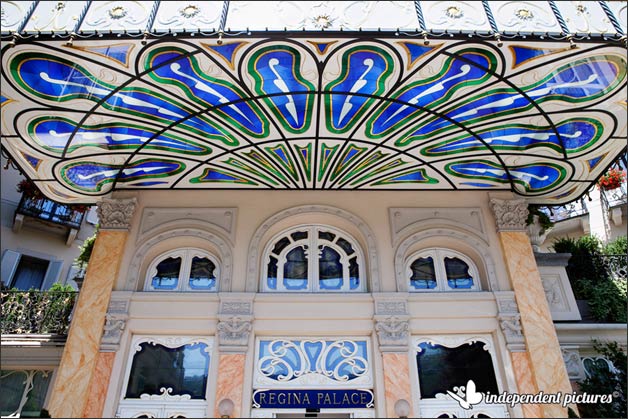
[(224, 256), (393, 333), (404, 221), (479, 244), (222, 220), (115, 321), (510, 214), (510, 320), (573, 362), (116, 214), (552, 259), (256, 247), (233, 334)]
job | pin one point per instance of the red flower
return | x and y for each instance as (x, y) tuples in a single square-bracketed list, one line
[(611, 179)]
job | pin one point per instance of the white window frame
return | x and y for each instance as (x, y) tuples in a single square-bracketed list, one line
[(443, 403), (186, 255), (165, 405), (438, 255), (312, 242)]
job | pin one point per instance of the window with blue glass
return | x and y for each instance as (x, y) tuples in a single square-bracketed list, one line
[(183, 270), (442, 270), (313, 259)]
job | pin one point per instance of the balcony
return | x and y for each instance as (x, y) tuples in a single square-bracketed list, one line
[(49, 215), (36, 312)]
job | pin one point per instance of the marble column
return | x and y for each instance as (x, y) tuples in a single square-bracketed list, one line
[(233, 331), (81, 353), (392, 328), (542, 347)]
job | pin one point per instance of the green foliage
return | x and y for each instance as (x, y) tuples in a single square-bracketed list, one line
[(585, 263), (86, 252), (35, 311), (544, 220), (607, 301), (603, 381), (619, 246), (590, 279)]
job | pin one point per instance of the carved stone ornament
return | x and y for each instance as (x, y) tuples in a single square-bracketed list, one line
[(112, 331), (510, 214), (392, 333), (511, 327), (116, 214), (233, 333), (573, 363)]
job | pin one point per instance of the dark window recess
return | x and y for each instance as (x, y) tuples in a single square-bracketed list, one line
[(167, 276), (326, 235), (441, 368), (183, 369), (30, 273), (423, 273)]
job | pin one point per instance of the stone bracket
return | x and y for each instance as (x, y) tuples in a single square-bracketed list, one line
[(115, 320), (510, 320), (235, 322), (392, 323)]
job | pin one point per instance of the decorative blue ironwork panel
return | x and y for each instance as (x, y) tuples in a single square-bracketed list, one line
[(283, 363)]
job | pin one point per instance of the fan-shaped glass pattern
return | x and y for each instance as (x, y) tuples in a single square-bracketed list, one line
[(384, 113)]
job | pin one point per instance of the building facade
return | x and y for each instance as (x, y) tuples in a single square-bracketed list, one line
[(300, 224)]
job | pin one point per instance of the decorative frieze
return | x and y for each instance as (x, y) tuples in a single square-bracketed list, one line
[(510, 214), (115, 321), (510, 320), (116, 214), (393, 334), (573, 363), (233, 334)]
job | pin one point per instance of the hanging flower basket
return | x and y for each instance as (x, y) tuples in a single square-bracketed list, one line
[(29, 189), (611, 180)]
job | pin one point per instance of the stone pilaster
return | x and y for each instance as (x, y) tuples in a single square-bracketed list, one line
[(82, 368), (392, 327), (542, 347), (235, 318)]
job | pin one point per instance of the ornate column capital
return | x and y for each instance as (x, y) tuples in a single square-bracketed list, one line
[(116, 214), (510, 214)]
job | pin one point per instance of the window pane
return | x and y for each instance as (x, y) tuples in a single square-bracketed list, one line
[(13, 384), (30, 273), (423, 274), (202, 274), (329, 269), (295, 270), (183, 369), (458, 275), (346, 246), (271, 274), (326, 235), (299, 235), (280, 245), (441, 368), (167, 276), (354, 274)]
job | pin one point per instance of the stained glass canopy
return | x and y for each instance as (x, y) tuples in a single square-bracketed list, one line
[(306, 112)]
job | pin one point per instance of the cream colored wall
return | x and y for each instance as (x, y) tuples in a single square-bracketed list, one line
[(254, 208), (364, 215)]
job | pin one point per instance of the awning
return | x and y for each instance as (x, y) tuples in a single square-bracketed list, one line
[(310, 112)]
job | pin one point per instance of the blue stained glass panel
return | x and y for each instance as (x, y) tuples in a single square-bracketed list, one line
[(423, 274), (271, 273), (458, 275), (167, 277), (329, 269), (202, 275), (295, 270)]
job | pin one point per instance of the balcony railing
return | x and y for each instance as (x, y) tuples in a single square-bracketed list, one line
[(36, 312), (615, 197), (616, 266), (47, 210), (571, 210)]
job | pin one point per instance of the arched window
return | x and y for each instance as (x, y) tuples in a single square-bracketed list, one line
[(183, 270), (441, 270), (313, 259)]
